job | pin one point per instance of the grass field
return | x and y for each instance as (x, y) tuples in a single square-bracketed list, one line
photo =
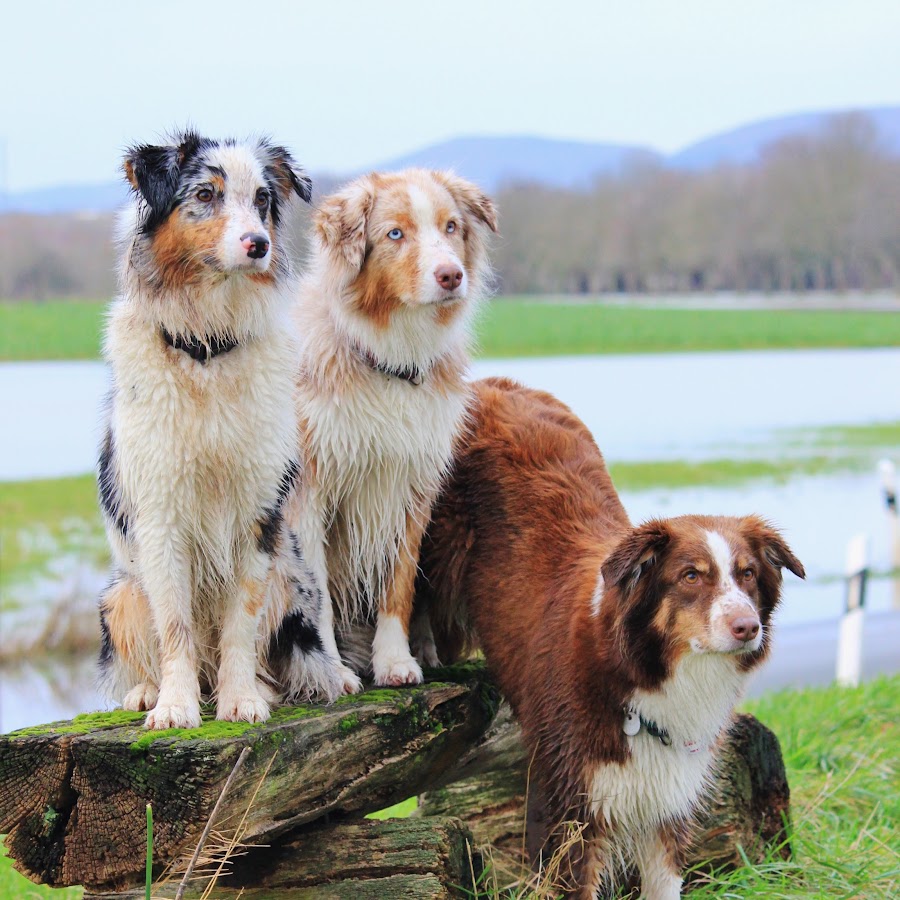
[(70, 329), (842, 751)]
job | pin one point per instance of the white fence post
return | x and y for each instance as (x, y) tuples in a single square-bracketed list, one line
[(850, 635), (888, 473)]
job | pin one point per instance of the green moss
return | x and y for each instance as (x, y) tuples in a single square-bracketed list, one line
[(212, 730), (349, 723), (375, 695), (283, 714), (84, 724)]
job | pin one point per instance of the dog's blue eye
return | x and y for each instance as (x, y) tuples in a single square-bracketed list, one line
[(451, 227), (395, 234)]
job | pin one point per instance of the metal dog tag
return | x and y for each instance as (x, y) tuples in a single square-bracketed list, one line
[(632, 724)]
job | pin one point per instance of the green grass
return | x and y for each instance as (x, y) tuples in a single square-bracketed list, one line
[(70, 329), (842, 752), (518, 327), (57, 329), (14, 887)]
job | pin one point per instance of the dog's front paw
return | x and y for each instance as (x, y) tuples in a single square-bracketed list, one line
[(250, 707), (177, 714), (351, 683), (397, 671), (427, 655), (140, 697)]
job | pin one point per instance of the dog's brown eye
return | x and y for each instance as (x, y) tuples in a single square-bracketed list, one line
[(204, 195), (692, 576), (451, 227), (262, 200), (748, 574)]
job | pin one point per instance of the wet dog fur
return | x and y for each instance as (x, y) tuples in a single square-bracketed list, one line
[(585, 620), (398, 266), (200, 459)]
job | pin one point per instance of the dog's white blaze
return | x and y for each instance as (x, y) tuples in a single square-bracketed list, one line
[(730, 601), (597, 596), (434, 248), (244, 178), (723, 558)]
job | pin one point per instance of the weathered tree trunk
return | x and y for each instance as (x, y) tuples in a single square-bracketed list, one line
[(424, 859), (73, 795), (748, 811)]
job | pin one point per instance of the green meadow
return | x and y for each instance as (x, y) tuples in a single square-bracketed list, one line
[(509, 327)]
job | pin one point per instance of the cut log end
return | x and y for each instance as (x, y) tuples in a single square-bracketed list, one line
[(73, 795)]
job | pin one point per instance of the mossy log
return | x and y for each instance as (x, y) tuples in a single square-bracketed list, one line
[(73, 794), (747, 813), (419, 859)]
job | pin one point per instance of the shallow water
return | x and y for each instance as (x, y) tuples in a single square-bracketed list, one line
[(646, 407), (640, 407)]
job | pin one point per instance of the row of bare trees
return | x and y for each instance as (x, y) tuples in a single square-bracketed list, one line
[(811, 214), (817, 213)]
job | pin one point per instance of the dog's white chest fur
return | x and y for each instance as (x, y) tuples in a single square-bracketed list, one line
[(658, 782), (200, 449), (380, 450)]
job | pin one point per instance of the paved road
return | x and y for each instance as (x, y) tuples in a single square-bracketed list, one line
[(804, 655)]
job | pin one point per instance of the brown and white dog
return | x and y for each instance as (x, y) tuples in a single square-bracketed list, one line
[(398, 266), (200, 457), (621, 649)]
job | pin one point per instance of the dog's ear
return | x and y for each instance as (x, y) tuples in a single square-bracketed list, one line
[(634, 553), (771, 545), (342, 221), (471, 198), (632, 570), (153, 171), (284, 175)]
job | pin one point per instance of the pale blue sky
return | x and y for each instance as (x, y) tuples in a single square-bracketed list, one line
[(347, 84)]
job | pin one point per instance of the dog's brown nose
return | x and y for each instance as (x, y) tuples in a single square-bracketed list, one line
[(256, 245), (745, 628), (448, 277)]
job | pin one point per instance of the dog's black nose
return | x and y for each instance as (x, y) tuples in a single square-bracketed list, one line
[(256, 245)]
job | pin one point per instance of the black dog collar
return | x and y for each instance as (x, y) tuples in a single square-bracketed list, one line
[(411, 374), (201, 349)]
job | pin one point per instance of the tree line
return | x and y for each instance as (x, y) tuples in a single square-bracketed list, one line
[(813, 213)]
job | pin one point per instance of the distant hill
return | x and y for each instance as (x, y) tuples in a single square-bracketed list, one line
[(745, 144), (68, 198), (495, 161)]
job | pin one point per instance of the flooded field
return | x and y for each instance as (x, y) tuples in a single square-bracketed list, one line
[(784, 408)]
